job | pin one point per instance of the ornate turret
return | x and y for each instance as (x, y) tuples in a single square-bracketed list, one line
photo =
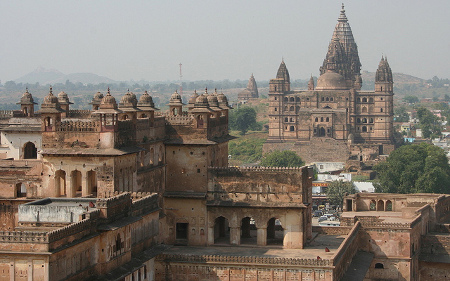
[(202, 111), (348, 63), (96, 100), (192, 100), (50, 112), (27, 104), (64, 102), (175, 104), (383, 77), (282, 82), (311, 84)]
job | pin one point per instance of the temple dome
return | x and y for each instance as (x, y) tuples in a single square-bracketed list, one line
[(146, 100), (331, 81)]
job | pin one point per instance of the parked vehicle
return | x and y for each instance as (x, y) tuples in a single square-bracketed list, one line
[(317, 214), (323, 218)]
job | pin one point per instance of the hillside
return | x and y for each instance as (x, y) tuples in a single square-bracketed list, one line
[(52, 76)]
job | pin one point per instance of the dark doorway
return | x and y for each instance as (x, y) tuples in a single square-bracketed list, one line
[(29, 151), (181, 233)]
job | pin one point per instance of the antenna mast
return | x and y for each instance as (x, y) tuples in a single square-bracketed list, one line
[(181, 81)]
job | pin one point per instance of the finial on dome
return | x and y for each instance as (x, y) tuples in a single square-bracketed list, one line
[(51, 89), (206, 90), (195, 91), (109, 93), (343, 7), (26, 90)]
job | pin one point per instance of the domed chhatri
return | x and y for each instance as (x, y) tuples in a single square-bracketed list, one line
[(108, 102), (146, 100), (50, 104)]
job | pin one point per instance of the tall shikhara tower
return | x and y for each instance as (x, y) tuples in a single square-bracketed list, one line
[(343, 51)]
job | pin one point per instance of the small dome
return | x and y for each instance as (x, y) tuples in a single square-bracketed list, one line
[(50, 98), (98, 96), (128, 100), (201, 101), (108, 101), (146, 100), (193, 98), (175, 98), (26, 98), (331, 81), (63, 98), (212, 100)]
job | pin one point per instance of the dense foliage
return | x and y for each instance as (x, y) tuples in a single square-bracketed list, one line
[(429, 123), (414, 168), (336, 191), (246, 150), (243, 119), (284, 158)]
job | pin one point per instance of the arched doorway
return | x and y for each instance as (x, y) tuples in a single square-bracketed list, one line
[(92, 182), (380, 205), (248, 231), (275, 232), (29, 151), (321, 132), (221, 231), (60, 183), (75, 183)]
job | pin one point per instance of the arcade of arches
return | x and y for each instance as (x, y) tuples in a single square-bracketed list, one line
[(256, 227)]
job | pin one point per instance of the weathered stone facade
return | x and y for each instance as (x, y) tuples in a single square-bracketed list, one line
[(335, 113)]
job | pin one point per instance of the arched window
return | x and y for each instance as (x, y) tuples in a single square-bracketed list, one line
[(364, 128), (327, 99), (380, 205), (292, 99), (358, 99), (285, 108), (297, 99), (389, 205), (317, 119), (286, 99), (331, 99), (29, 151), (381, 110), (364, 110), (328, 119), (291, 108), (379, 265), (321, 119), (373, 205), (286, 119), (323, 99), (291, 128), (364, 100), (199, 122), (358, 120), (364, 120), (291, 119), (370, 120)]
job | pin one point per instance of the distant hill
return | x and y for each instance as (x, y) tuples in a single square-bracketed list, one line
[(51, 76), (399, 78)]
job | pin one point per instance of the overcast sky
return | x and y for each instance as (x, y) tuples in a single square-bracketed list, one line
[(217, 40)]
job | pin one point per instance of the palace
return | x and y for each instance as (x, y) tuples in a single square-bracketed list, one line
[(125, 192), (333, 121)]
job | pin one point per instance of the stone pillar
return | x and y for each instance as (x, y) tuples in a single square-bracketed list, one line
[(262, 236), (235, 235), (72, 192), (211, 235), (84, 184)]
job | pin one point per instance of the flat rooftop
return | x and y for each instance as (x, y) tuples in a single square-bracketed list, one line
[(388, 217), (65, 202), (311, 251)]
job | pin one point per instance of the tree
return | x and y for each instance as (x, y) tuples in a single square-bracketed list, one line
[(429, 123), (411, 99), (242, 119), (284, 158), (414, 168), (336, 191)]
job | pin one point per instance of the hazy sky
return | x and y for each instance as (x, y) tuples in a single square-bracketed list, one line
[(217, 40)]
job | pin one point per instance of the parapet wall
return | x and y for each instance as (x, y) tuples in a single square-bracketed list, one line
[(259, 183)]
